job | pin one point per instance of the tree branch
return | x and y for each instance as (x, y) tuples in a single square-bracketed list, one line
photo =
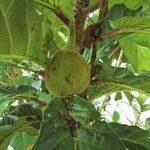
[(55, 9), (114, 51), (80, 18), (103, 4), (92, 31)]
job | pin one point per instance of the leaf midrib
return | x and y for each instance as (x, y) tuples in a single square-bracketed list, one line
[(8, 30)]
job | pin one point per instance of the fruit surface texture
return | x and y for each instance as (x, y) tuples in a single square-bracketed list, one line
[(67, 74)]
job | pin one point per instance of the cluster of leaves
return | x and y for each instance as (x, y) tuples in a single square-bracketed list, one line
[(31, 32)]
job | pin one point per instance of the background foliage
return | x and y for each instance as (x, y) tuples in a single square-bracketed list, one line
[(31, 31)]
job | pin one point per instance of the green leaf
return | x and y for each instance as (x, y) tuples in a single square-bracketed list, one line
[(135, 146), (137, 45), (54, 133), (49, 42), (9, 92), (99, 140), (4, 100), (45, 97), (74, 128), (9, 129), (113, 80), (145, 107), (76, 123), (116, 116), (56, 27), (123, 11), (129, 96), (13, 90), (134, 5), (65, 6), (8, 74), (104, 88), (26, 109), (141, 99), (132, 135), (83, 111), (118, 96), (21, 140), (132, 24), (21, 37), (24, 80), (147, 124)]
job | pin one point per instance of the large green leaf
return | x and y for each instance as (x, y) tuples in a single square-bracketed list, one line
[(118, 79), (88, 118), (141, 85), (21, 31), (49, 40), (56, 26), (8, 94), (22, 140), (134, 5), (132, 135), (54, 133), (137, 45), (132, 24), (14, 90), (65, 6), (76, 125), (123, 11), (4, 100), (69, 125), (9, 129)]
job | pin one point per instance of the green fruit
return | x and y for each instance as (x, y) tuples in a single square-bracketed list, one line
[(67, 74)]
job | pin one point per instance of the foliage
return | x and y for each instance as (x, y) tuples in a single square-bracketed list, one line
[(114, 39)]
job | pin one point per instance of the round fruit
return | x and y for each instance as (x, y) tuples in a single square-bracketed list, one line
[(67, 74)]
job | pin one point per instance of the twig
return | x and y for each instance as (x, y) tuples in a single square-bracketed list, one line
[(91, 19), (114, 51), (104, 102), (137, 119), (120, 58), (56, 10)]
